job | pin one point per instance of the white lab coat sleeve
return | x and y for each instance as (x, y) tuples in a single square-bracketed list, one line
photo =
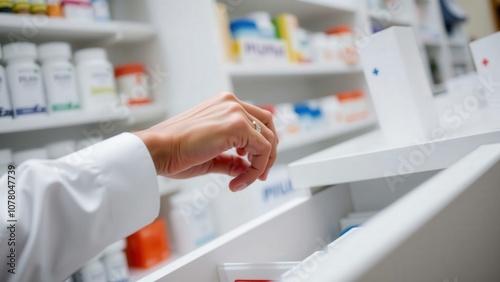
[(68, 210)]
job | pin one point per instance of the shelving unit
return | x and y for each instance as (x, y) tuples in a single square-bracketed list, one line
[(43, 29), (41, 122), (192, 59)]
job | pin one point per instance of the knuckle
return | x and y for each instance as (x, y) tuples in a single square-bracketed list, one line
[(268, 116), (237, 121), (227, 96), (235, 108)]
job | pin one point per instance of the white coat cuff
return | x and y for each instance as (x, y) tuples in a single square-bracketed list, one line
[(129, 175)]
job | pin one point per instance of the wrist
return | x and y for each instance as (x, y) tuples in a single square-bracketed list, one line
[(156, 146)]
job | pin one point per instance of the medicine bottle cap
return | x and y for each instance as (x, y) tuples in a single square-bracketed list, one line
[(5, 156), (115, 247), (54, 50), (339, 29), (90, 54), (128, 69), (243, 24), (19, 50), (21, 156)]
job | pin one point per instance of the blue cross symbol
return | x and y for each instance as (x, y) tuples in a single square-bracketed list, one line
[(375, 71)]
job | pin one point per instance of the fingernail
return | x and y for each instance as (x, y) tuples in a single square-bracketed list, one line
[(240, 187)]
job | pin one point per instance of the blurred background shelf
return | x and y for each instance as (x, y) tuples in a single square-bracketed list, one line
[(301, 140), (242, 71), (44, 29), (40, 122), (303, 9)]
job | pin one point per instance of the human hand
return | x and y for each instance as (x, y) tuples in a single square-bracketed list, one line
[(193, 143)]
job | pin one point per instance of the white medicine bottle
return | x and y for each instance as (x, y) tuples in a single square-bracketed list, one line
[(24, 79), (96, 80), (92, 271), (191, 227), (5, 105), (115, 262), (59, 76)]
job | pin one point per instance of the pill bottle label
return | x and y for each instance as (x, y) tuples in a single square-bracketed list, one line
[(5, 106), (61, 88), (101, 81), (134, 88), (27, 90), (203, 229)]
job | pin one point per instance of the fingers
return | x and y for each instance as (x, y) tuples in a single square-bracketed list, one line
[(267, 119), (258, 146), (228, 164)]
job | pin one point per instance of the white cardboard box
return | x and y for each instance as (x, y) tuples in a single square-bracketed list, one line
[(399, 86), (485, 52)]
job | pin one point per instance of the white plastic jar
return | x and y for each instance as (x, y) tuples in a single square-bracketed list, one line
[(190, 229), (92, 271), (264, 24), (96, 80), (5, 105), (115, 262), (24, 79), (59, 76)]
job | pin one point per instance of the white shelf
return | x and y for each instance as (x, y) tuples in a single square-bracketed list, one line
[(432, 43), (168, 186), (314, 137), (39, 121), (243, 71), (56, 120), (303, 9), (43, 29), (138, 273), (374, 15), (439, 88), (370, 157)]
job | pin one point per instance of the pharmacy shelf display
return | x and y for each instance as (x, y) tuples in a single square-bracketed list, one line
[(43, 29)]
